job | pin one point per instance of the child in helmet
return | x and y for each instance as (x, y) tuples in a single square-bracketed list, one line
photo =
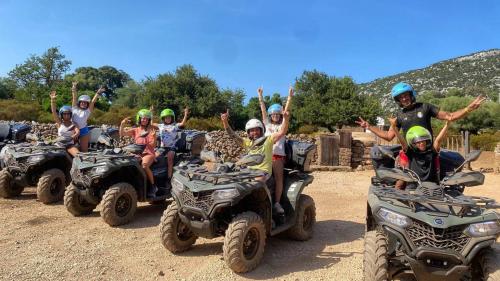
[(273, 121), (81, 113), (144, 134), (255, 131), (420, 152), (168, 134), (65, 127)]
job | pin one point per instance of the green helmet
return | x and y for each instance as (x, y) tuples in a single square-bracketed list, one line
[(416, 134), (167, 112), (143, 113)]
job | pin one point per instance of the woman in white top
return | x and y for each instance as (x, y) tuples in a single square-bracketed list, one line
[(81, 113), (273, 120), (65, 127)]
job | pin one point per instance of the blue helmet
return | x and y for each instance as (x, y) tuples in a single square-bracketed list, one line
[(401, 88), (64, 109), (275, 109)]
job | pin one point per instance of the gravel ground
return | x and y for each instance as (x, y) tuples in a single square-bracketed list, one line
[(44, 242)]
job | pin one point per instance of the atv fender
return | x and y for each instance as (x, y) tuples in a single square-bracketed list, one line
[(294, 185)]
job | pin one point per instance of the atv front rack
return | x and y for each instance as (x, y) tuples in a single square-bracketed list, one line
[(201, 173), (466, 202)]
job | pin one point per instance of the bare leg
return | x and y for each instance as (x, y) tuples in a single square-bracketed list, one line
[(84, 143), (147, 161), (73, 151), (170, 163), (278, 166)]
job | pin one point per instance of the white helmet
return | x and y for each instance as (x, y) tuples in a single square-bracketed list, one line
[(254, 123)]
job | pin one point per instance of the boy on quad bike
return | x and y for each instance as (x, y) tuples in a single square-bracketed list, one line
[(257, 143), (143, 134), (419, 153), (168, 135)]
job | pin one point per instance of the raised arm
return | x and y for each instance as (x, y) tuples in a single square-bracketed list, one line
[(124, 131), (395, 130), (96, 97), (53, 108), (386, 135), (73, 93), (260, 91), (441, 136), (225, 117), (284, 127), (184, 119), (443, 115), (289, 99)]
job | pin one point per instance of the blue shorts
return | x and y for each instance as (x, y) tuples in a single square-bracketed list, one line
[(84, 131)]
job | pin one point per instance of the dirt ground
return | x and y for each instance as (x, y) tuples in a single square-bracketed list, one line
[(44, 242)]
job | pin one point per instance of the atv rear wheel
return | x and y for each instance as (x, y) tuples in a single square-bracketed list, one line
[(119, 204), (375, 257), (175, 235), (305, 219), (489, 263), (51, 184), (8, 188), (75, 204), (244, 242)]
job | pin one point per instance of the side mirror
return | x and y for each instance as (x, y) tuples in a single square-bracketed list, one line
[(473, 155), (386, 152), (250, 160)]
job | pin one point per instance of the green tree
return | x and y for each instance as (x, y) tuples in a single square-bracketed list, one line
[(331, 102), (7, 88)]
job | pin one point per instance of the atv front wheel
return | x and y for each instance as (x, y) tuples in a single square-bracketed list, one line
[(489, 263), (175, 235), (244, 242), (75, 204), (8, 188), (51, 184), (375, 257), (119, 204), (305, 219)]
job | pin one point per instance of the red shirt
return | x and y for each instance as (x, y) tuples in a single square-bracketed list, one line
[(148, 140)]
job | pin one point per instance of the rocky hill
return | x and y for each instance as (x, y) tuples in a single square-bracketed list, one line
[(477, 69)]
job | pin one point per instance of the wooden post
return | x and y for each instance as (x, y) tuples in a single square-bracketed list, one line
[(328, 150)]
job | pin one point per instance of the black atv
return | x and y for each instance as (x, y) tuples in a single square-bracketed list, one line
[(116, 178), (430, 231), (11, 134), (45, 165), (229, 202)]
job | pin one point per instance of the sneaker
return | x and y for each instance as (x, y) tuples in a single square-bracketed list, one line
[(278, 208)]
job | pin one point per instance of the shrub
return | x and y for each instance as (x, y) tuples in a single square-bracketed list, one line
[(205, 124), (307, 129), (112, 117), (19, 111), (485, 141)]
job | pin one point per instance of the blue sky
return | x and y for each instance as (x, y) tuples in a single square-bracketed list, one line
[(245, 44)]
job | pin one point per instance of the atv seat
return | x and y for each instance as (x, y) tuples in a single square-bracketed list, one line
[(4, 131)]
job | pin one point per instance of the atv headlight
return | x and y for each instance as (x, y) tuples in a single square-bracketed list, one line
[(483, 229), (394, 218), (100, 170), (177, 186), (36, 158), (225, 194)]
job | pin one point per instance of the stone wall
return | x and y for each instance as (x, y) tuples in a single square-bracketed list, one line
[(497, 158)]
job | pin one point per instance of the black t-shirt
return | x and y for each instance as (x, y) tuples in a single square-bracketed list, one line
[(424, 164), (419, 115)]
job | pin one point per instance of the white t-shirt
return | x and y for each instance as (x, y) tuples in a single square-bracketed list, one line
[(80, 116), (168, 134), (66, 131), (279, 146)]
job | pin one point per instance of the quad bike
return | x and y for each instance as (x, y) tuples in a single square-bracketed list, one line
[(11, 134), (45, 165), (229, 202), (116, 179), (430, 231)]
